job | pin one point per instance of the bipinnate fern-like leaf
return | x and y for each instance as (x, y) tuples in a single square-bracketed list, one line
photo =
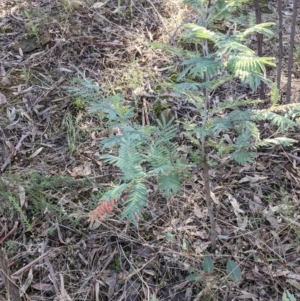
[(234, 104), (201, 32), (159, 157), (115, 192), (252, 79), (130, 132), (129, 161), (261, 28), (249, 129), (243, 157), (199, 67), (192, 85), (169, 184), (283, 122), (231, 44), (221, 124), (85, 88), (113, 109), (249, 63), (136, 200), (174, 50), (284, 141), (166, 131)]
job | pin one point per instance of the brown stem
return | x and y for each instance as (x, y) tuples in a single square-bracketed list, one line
[(259, 38), (209, 204), (291, 53), (280, 43)]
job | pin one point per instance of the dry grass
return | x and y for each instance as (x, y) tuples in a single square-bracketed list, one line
[(52, 253)]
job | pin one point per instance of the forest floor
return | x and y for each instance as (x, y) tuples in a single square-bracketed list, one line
[(52, 177)]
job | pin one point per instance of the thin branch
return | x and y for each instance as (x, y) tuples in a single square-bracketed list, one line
[(259, 38), (209, 204), (14, 152), (280, 43), (291, 53), (208, 199)]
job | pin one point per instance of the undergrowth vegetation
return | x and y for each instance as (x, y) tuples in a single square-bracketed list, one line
[(160, 174), (45, 195), (152, 152)]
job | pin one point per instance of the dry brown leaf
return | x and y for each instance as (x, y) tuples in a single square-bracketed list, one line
[(236, 206), (280, 273), (200, 246), (98, 4), (82, 170), (21, 52), (218, 229), (2, 71), (294, 276), (22, 196), (202, 234), (110, 278), (294, 283), (27, 282), (214, 198), (273, 221), (278, 208), (5, 81), (42, 286), (2, 99), (198, 212), (242, 222), (254, 207), (253, 179), (36, 153)]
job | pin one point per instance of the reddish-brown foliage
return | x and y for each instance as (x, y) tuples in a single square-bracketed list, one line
[(100, 211)]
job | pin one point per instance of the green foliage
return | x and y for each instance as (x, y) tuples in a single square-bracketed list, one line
[(246, 132), (231, 59), (15, 204), (233, 270), (287, 296), (72, 134), (231, 128), (41, 192), (231, 56), (79, 103), (208, 265), (140, 152), (84, 88), (275, 94), (194, 277)]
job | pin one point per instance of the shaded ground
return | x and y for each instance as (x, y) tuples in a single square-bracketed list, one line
[(52, 177)]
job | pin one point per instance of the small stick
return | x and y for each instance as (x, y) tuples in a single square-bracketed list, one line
[(29, 265), (14, 152), (10, 232)]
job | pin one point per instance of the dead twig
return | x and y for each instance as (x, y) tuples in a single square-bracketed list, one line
[(11, 288), (3, 239), (14, 152), (29, 265), (50, 268)]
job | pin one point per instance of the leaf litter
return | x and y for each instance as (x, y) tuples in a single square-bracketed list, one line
[(48, 191)]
